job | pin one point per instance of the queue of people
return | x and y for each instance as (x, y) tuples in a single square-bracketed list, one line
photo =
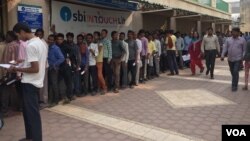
[(94, 64)]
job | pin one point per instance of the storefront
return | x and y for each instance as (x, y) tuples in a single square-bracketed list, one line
[(75, 16), (81, 17)]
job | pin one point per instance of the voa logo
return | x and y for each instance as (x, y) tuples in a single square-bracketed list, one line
[(67, 15), (236, 132)]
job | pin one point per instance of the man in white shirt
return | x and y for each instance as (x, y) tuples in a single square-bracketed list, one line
[(157, 55), (180, 47), (139, 63), (32, 80), (93, 53), (210, 47), (124, 63)]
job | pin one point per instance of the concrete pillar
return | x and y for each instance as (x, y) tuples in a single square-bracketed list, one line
[(199, 27), (173, 23), (213, 3), (213, 26), (222, 28)]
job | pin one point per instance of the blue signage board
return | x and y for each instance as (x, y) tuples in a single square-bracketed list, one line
[(32, 15), (121, 4)]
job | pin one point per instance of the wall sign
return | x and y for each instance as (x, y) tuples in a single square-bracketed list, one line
[(32, 15), (79, 18)]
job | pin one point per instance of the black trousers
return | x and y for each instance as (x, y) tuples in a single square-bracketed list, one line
[(84, 82), (93, 75), (132, 70), (234, 69), (65, 73), (172, 63), (210, 56), (163, 62), (142, 70), (107, 73), (53, 86), (31, 113)]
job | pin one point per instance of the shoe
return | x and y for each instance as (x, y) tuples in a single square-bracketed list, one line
[(72, 98), (171, 74), (207, 72), (131, 87), (116, 91), (24, 139), (234, 89), (202, 70), (103, 92), (65, 101), (211, 77), (193, 74), (245, 88), (52, 105), (93, 93)]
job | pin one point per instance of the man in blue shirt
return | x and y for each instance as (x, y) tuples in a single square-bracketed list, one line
[(55, 58)]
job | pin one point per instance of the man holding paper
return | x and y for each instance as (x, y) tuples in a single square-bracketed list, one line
[(32, 80)]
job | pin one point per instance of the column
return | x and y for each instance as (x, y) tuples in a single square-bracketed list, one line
[(173, 23), (222, 28), (199, 27), (213, 26)]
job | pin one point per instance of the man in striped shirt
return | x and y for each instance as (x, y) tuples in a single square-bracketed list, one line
[(107, 56)]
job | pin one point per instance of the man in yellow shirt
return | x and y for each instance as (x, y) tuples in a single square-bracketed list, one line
[(171, 52), (151, 52)]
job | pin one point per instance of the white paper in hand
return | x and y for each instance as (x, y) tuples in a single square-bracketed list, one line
[(82, 73), (5, 65)]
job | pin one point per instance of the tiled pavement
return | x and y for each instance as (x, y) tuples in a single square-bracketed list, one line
[(163, 103)]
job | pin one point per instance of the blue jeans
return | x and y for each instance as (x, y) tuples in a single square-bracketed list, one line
[(31, 112), (234, 69), (172, 63)]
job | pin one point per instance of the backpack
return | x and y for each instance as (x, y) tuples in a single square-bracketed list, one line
[(170, 42)]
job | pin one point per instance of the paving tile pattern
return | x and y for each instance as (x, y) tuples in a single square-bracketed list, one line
[(144, 105)]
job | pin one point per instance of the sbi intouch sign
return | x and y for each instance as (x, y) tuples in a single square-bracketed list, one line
[(80, 18), (82, 15)]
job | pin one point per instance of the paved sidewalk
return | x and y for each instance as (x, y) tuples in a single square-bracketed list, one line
[(167, 108)]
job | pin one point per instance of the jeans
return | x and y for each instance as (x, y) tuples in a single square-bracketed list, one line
[(210, 56), (234, 69), (107, 73), (132, 70), (93, 75), (171, 55), (53, 86), (31, 113)]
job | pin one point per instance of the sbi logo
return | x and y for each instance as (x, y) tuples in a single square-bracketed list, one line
[(65, 14)]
